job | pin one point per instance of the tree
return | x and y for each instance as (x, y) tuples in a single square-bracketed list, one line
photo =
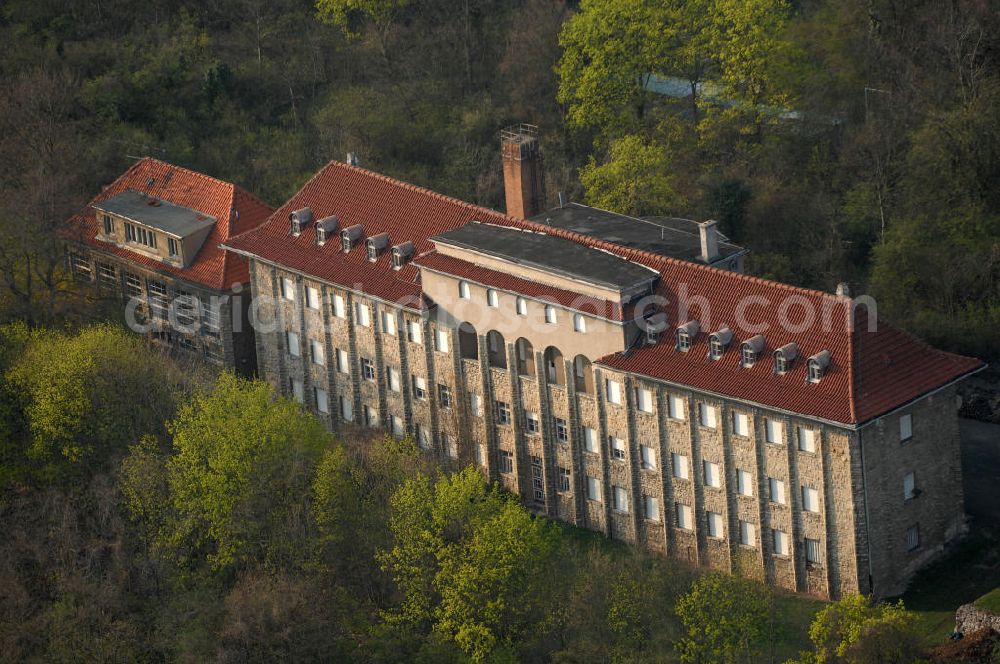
[(726, 619), (380, 15), (636, 180)]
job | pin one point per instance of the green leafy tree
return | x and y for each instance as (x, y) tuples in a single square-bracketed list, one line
[(726, 619), (380, 15), (635, 180)]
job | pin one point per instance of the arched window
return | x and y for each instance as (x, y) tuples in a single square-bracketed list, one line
[(583, 376), (525, 354), (468, 342), (496, 349), (555, 368)]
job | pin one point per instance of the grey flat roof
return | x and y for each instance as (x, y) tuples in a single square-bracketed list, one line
[(667, 236), (156, 213), (549, 253)]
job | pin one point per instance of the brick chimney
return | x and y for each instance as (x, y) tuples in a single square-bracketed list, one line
[(522, 170)]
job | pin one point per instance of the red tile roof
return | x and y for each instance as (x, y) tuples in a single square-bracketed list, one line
[(869, 373), (212, 266)]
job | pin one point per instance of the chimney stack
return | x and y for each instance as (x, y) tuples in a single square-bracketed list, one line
[(843, 290), (352, 159), (709, 241), (522, 170)]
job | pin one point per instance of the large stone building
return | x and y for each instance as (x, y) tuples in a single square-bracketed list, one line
[(152, 238)]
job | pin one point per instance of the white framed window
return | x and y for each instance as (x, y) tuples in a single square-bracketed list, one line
[(362, 315), (531, 422), (492, 298), (913, 537), (679, 464), (741, 424), (293, 343), (339, 308), (677, 407), (711, 473), (109, 225), (706, 415), (776, 490), (810, 499), (367, 369), (389, 323), (312, 297), (419, 388), (648, 455), (343, 363), (297, 390), (550, 314), (780, 540), (288, 289), (317, 352), (617, 447), (715, 525), (106, 275), (683, 341), (613, 391), (651, 508), (644, 399), (807, 440), (775, 431), (463, 290), (346, 409), (370, 416), (621, 499), (909, 486), (413, 333), (396, 423), (590, 440), (562, 431), (905, 427), (579, 323), (441, 340), (476, 404), (444, 395), (682, 513), (322, 400), (503, 412), (593, 489), (521, 306), (814, 554), (393, 377), (744, 482), (748, 533)]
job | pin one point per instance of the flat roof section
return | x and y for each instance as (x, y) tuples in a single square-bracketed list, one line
[(156, 213), (548, 253), (667, 236)]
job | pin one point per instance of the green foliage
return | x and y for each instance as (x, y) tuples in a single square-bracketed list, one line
[(636, 180), (343, 12), (725, 617)]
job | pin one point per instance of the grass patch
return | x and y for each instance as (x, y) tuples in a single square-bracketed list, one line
[(990, 601)]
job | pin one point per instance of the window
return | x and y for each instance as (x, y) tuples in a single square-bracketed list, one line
[(423, 438), (748, 533), (444, 396), (297, 390), (617, 446), (711, 473), (140, 235), (590, 440), (133, 286), (815, 371), (476, 404), (776, 490), (683, 341), (748, 356), (392, 375), (293, 343), (106, 275), (810, 499), (774, 431), (343, 364), (397, 425), (531, 422), (913, 537), (679, 464), (172, 246), (522, 306), (644, 399), (563, 480), (346, 409), (371, 417), (807, 440), (780, 540), (449, 445), (413, 333), (463, 290), (744, 482), (676, 407), (905, 427), (506, 461), (550, 314), (706, 415), (441, 341), (372, 251), (322, 402), (909, 486), (503, 412), (579, 323), (562, 431), (130, 234), (621, 499), (648, 456), (781, 363), (419, 388), (389, 323), (814, 555), (593, 489), (339, 309), (479, 452), (715, 526), (613, 391), (492, 299), (312, 297), (651, 508), (288, 289), (316, 350), (741, 424), (362, 315), (213, 352), (537, 481), (157, 291), (210, 318), (715, 347), (683, 513), (109, 225), (367, 369)]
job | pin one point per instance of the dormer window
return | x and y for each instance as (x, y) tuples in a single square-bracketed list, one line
[(401, 254), (140, 235), (326, 227), (299, 220), (817, 366), (350, 236), (784, 358), (750, 350), (172, 247), (718, 342), (376, 244), (109, 225), (686, 334), (655, 326)]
